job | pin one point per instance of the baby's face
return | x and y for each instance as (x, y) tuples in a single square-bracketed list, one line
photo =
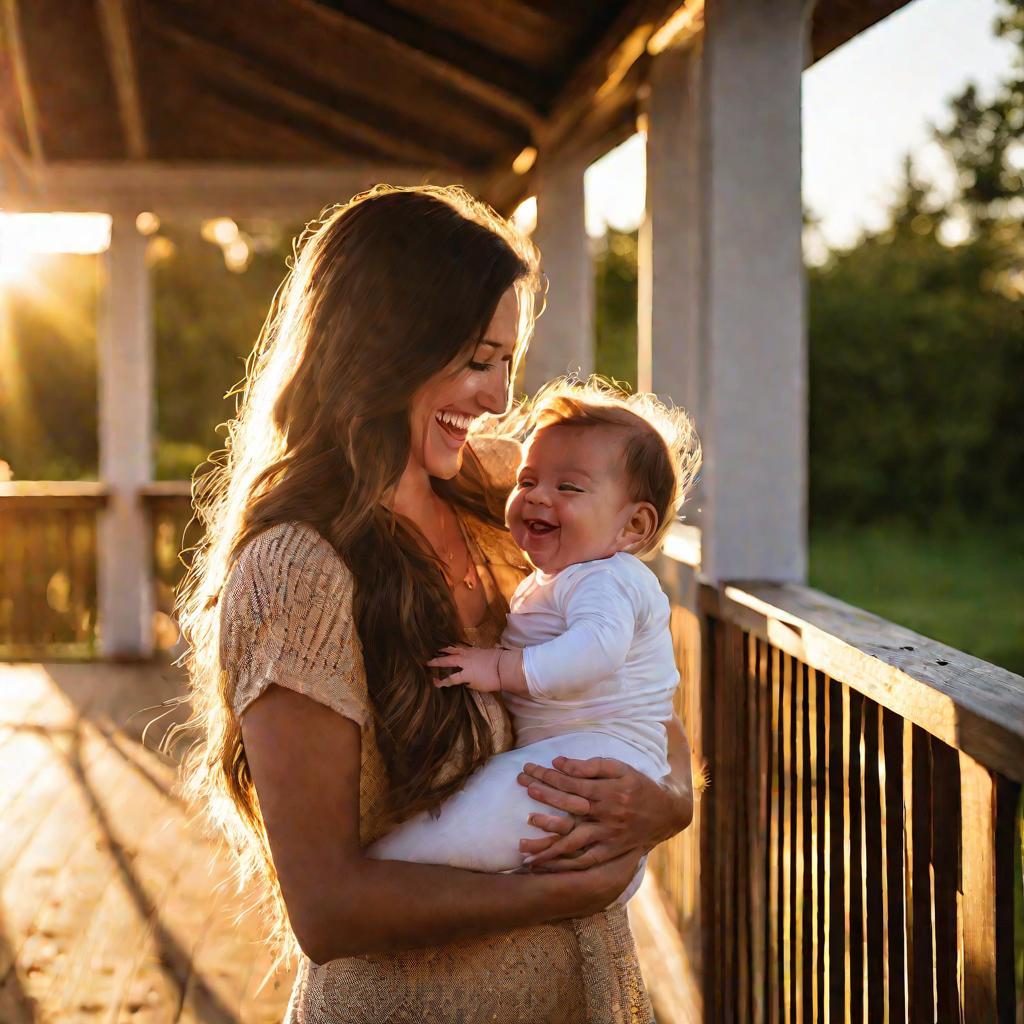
[(570, 503)]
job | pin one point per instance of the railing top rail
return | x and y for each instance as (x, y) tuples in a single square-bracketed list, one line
[(31, 494), (158, 491), (968, 703)]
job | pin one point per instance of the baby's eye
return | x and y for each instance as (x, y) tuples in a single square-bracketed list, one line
[(571, 488), (525, 482)]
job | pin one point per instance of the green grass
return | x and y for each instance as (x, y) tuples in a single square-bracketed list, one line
[(965, 590)]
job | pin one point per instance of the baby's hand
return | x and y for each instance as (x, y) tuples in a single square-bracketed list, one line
[(475, 667)]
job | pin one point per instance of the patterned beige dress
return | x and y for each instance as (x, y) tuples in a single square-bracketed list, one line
[(287, 619)]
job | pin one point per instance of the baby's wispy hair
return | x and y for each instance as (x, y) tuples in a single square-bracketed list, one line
[(661, 449)]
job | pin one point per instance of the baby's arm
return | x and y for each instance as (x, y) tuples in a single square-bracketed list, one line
[(600, 624), (600, 613)]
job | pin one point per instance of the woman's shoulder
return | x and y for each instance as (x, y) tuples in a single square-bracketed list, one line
[(499, 456), (289, 561), (286, 618)]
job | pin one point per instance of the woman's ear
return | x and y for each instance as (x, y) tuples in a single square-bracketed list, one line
[(640, 528)]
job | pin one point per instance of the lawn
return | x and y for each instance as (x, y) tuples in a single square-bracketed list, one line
[(966, 590)]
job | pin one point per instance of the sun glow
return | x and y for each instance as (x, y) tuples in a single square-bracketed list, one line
[(24, 236)]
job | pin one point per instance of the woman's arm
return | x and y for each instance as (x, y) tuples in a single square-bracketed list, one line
[(304, 760), (616, 807)]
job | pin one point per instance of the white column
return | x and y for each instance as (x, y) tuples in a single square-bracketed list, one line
[(669, 259), (754, 376), (126, 412), (669, 292), (564, 340)]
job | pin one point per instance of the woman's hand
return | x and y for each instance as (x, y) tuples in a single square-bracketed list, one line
[(589, 892), (615, 808)]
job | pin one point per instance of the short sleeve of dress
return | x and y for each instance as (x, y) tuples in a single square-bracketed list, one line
[(286, 618)]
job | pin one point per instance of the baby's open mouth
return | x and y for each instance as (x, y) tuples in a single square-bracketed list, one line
[(538, 527)]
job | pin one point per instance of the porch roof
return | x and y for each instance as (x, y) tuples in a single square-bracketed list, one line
[(452, 88)]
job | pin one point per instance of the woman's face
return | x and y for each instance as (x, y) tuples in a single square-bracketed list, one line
[(444, 406)]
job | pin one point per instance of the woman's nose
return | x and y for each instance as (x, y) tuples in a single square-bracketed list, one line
[(494, 392)]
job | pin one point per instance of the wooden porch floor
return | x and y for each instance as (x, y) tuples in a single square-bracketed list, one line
[(113, 906)]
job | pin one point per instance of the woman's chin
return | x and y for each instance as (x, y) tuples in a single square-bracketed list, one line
[(444, 465)]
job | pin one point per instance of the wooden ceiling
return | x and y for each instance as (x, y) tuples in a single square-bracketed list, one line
[(455, 87)]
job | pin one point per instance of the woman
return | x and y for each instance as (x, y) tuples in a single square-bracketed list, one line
[(352, 533)]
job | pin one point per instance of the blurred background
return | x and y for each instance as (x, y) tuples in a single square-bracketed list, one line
[(913, 204)]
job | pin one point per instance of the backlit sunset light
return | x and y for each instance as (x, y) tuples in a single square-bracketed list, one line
[(26, 236)]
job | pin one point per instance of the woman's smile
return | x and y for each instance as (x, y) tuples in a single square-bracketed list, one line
[(454, 425)]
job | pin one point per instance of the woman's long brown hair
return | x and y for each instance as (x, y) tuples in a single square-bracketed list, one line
[(385, 292)]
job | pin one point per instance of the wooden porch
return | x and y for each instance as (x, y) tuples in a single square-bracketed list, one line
[(113, 904), (857, 853)]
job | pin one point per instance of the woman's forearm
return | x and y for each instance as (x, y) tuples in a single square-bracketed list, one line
[(680, 778), (393, 905)]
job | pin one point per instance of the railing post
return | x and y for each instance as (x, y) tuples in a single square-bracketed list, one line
[(126, 410), (565, 332), (753, 362)]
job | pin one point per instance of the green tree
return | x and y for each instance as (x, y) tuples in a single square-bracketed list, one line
[(615, 303)]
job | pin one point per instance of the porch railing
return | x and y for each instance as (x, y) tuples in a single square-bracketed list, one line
[(859, 844), (857, 855), (48, 570)]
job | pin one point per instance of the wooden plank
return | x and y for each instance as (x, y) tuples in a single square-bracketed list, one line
[(787, 853), (23, 79), (805, 829), (596, 77), (969, 704), (946, 839), (874, 890), (330, 110), (120, 33), (406, 41), (922, 992), (854, 707), (819, 719), (776, 812), (709, 685), (205, 189), (745, 800), (895, 892), (759, 853), (1007, 865), (726, 795), (836, 870), (980, 898)]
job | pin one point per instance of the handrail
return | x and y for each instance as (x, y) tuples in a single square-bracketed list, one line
[(52, 494), (967, 703)]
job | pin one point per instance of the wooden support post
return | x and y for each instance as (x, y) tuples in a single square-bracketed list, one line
[(753, 360), (126, 407), (564, 340)]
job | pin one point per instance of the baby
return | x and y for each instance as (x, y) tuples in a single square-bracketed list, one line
[(586, 663)]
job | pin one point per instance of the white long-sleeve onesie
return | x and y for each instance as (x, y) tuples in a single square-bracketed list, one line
[(600, 670)]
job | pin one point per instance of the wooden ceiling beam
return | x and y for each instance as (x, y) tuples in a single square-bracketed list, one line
[(23, 82), (484, 91), (119, 31), (203, 189), (599, 75), (266, 81)]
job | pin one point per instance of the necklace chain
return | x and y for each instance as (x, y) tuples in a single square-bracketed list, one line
[(469, 579)]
